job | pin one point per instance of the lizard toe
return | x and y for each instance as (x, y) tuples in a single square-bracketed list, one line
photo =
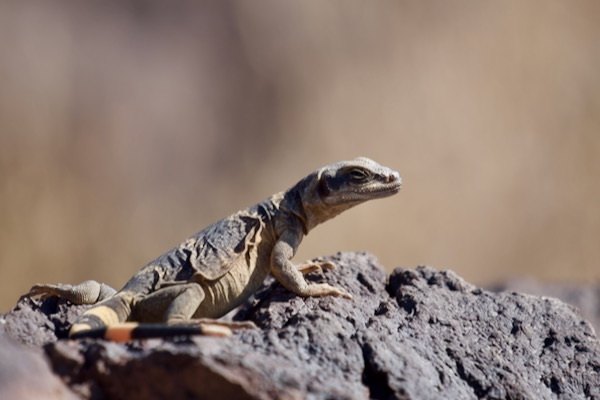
[(40, 290), (327, 265), (343, 293)]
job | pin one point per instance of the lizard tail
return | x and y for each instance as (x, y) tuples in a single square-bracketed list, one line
[(124, 332), (107, 320)]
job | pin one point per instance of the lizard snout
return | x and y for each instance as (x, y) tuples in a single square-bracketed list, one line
[(394, 176)]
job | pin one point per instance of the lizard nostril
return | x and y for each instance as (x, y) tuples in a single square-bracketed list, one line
[(393, 177)]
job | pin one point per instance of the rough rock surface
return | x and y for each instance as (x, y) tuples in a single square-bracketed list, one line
[(25, 374), (586, 297), (417, 334)]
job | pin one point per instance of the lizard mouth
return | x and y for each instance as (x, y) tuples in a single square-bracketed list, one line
[(375, 190), (388, 186), (381, 190)]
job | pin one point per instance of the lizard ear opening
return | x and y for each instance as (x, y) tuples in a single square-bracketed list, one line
[(323, 187)]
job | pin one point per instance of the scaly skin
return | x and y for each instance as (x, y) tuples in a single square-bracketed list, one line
[(217, 269)]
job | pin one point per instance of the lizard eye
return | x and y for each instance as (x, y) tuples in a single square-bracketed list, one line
[(358, 175)]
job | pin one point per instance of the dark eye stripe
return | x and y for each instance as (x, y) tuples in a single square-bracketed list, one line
[(358, 174)]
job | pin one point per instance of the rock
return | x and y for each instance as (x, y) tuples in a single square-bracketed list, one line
[(35, 322), (417, 334), (25, 374), (471, 343), (586, 297)]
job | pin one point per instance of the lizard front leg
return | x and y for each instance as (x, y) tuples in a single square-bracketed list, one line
[(291, 277), (88, 292)]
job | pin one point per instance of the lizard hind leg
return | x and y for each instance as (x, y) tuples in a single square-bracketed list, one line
[(175, 305), (182, 309)]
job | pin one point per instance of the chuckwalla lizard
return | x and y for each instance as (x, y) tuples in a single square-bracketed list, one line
[(184, 290)]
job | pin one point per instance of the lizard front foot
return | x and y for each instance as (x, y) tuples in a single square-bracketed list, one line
[(325, 289), (315, 265)]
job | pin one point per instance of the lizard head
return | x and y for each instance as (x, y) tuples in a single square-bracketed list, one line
[(356, 181), (340, 186)]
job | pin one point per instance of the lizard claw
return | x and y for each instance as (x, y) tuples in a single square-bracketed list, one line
[(342, 293), (327, 265), (325, 289), (338, 292)]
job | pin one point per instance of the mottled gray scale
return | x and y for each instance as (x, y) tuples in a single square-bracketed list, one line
[(177, 265), (144, 281), (216, 249), (204, 252)]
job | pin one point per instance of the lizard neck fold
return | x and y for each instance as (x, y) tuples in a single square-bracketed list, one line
[(304, 202), (292, 205)]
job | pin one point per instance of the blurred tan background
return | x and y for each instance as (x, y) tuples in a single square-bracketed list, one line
[(127, 126)]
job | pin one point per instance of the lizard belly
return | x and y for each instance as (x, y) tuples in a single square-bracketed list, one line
[(231, 290)]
